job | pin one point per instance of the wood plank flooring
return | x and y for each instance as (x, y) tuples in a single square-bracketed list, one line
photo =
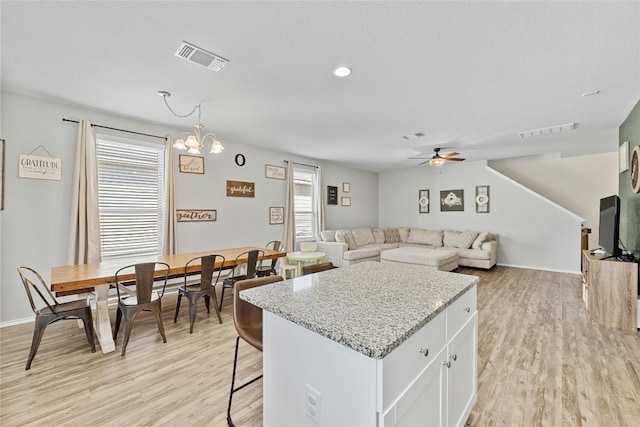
[(540, 363)]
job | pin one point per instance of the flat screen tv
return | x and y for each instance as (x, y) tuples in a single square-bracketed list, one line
[(609, 230)]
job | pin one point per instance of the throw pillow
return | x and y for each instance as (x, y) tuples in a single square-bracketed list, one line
[(467, 237), (340, 236), (482, 237), (404, 233), (328, 235), (378, 236), (391, 235), (363, 236), (425, 237), (451, 238), (349, 240)]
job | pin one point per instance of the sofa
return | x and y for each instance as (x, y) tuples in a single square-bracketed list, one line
[(345, 247)]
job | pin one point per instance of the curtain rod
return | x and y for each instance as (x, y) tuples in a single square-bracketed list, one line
[(120, 130), (311, 166)]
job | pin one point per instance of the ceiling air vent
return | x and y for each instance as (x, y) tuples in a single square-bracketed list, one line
[(547, 131), (200, 56)]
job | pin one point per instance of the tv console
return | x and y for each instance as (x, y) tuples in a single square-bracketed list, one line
[(610, 291)]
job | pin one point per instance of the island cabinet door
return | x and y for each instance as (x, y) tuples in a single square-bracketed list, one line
[(460, 365), (422, 404)]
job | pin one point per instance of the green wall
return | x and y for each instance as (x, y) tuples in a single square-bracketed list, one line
[(630, 201)]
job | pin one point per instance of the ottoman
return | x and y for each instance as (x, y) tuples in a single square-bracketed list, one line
[(438, 259)]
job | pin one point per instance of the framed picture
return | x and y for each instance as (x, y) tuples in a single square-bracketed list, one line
[(196, 215), (346, 187), (276, 215), (423, 201), (275, 172), (452, 200), (623, 152), (482, 199), (332, 195), (191, 164), (241, 189), (345, 201)]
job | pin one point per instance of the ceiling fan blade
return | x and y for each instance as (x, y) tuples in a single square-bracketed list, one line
[(418, 158), (422, 163), (455, 153), (454, 159)]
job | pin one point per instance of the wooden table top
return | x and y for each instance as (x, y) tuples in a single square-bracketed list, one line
[(82, 277)]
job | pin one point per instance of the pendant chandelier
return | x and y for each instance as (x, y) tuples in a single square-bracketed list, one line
[(193, 142)]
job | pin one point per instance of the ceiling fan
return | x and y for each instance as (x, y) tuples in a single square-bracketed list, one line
[(439, 160)]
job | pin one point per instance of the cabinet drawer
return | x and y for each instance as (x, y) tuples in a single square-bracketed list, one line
[(461, 310), (404, 364)]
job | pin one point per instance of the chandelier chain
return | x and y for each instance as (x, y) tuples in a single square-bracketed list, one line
[(196, 107)]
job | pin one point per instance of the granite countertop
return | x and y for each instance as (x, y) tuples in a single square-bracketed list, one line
[(370, 307)]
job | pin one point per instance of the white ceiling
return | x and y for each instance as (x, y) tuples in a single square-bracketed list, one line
[(470, 75)]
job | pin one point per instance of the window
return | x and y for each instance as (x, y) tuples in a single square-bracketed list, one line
[(130, 197), (305, 184)]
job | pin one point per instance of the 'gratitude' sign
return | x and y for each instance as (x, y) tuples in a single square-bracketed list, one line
[(39, 167)]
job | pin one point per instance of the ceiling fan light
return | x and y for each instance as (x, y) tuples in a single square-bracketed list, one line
[(436, 161)]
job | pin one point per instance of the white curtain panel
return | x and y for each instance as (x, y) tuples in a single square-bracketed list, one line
[(170, 222), (319, 200), (84, 229), (289, 241)]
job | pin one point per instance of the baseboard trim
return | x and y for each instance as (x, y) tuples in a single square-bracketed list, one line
[(553, 270)]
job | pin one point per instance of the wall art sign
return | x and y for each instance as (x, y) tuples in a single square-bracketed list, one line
[(276, 215), (195, 215), (240, 189), (240, 160), (423, 201), (345, 201), (191, 164), (275, 172), (634, 173), (346, 187), (452, 200), (40, 167), (482, 199), (332, 195), (623, 153)]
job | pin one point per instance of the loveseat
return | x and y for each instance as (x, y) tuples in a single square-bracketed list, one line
[(345, 247)]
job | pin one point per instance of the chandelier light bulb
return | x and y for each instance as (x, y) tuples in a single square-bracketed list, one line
[(179, 144), (194, 150), (216, 147)]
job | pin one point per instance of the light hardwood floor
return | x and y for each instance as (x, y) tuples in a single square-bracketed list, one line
[(540, 363)]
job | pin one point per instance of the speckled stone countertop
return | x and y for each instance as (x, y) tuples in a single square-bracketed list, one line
[(370, 307)]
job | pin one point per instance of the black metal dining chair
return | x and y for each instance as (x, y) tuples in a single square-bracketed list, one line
[(269, 267), (53, 310), (252, 264), (206, 287), (135, 288)]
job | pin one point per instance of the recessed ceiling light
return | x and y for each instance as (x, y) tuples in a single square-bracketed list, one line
[(342, 71)]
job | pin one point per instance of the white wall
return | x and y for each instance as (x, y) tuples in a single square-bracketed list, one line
[(34, 225), (576, 183), (533, 232)]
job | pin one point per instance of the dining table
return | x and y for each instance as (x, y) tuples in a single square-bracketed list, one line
[(95, 279)]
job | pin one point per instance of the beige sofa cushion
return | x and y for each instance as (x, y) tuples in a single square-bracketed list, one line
[(361, 253), (466, 239), (450, 238), (391, 235), (363, 236), (404, 234), (425, 237), (477, 244), (328, 235)]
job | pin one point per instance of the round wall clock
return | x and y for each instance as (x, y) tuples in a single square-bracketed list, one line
[(634, 169)]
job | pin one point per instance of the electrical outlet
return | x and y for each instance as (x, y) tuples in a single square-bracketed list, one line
[(313, 400)]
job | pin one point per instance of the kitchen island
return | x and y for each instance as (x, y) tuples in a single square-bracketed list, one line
[(369, 344)]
